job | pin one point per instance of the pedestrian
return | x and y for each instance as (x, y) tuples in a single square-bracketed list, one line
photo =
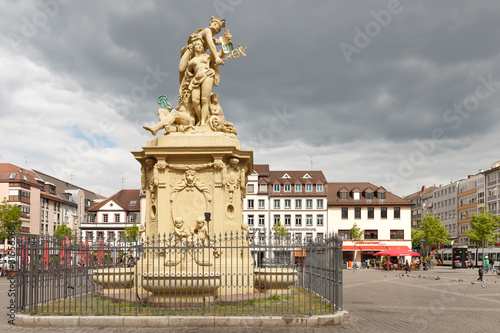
[(486, 264), (492, 263), (387, 265), (480, 271), (407, 267)]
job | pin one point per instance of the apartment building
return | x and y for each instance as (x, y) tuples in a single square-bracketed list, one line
[(492, 191), (22, 188), (471, 200), (445, 207), (384, 218), (107, 219), (422, 204)]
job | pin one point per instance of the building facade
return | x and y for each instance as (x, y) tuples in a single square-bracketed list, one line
[(422, 204), (384, 218), (470, 201), (445, 207), (107, 219)]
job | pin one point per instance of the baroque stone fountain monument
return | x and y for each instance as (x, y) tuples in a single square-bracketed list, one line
[(195, 176)]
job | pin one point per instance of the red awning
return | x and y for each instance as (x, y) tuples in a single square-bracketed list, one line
[(401, 247), (350, 248), (372, 247)]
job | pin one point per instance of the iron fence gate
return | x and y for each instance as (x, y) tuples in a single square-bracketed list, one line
[(164, 275)]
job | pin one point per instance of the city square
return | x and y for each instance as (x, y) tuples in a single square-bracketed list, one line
[(380, 301)]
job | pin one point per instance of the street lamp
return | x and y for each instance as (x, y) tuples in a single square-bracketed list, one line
[(207, 219)]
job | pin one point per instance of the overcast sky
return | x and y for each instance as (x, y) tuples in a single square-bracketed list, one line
[(397, 93)]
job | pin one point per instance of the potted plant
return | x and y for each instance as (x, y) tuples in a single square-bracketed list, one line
[(10, 268)]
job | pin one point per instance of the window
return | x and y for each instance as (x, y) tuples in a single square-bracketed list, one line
[(288, 220), (371, 234), (104, 217), (287, 188), (371, 213), (89, 235), (298, 188), (397, 212), (276, 204), (298, 219), (381, 195), (276, 219), (111, 235), (343, 195), (397, 234), (344, 234), (250, 188), (262, 188), (261, 220), (100, 235), (345, 214), (298, 203), (133, 218), (319, 220), (309, 188), (319, 203), (319, 188), (91, 218), (309, 238), (357, 212), (383, 212), (298, 238), (250, 203), (356, 195), (309, 220), (276, 187), (250, 220), (369, 195), (261, 203), (309, 203), (288, 203), (117, 218)]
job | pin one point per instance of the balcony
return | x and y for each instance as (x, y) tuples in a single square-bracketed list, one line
[(466, 193), (468, 206)]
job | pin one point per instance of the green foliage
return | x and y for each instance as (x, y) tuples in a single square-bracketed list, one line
[(433, 232), (10, 221), (416, 237), (63, 231), (280, 231), (132, 234), (356, 233), (483, 228)]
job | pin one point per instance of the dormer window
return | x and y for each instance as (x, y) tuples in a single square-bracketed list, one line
[(306, 176), (286, 176), (356, 195), (298, 187), (343, 195), (319, 188), (381, 195)]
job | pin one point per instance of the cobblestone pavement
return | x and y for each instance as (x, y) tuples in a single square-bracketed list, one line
[(377, 301)]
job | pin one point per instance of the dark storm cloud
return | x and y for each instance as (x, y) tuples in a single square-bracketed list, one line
[(395, 90)]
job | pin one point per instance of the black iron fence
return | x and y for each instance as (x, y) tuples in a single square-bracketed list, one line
[(172, 275)]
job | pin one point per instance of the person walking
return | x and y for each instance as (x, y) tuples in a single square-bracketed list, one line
[(480, 271), (486, 264), (407, 267), (492, 263)]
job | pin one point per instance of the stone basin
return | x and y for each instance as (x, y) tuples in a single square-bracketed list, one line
[(274, 280), (114, 278), (177, 286)]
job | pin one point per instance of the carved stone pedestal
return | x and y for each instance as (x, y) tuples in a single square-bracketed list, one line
[(186, 175)]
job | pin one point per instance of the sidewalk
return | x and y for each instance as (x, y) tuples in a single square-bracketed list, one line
[(378, 301)]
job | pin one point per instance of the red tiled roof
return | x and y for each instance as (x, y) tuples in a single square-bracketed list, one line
[(7, 169), (261, 169), (334, 196), (124, 198), (421, 193)]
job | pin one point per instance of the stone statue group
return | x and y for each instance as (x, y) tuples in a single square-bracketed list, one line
[(199, 108)]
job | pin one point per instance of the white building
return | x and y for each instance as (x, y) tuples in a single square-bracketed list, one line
[(295, 199), (445, 206), (384, 218), (108, 219)]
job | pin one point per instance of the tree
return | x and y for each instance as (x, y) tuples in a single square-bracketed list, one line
[(357, 234), (433, 232), (132, 233), (483, 228), (63, 231), (10, 220), (416, 237), (280, 231)]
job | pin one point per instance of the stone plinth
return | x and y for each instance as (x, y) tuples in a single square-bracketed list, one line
[(187, 175), (274, 280), (114, 278)]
